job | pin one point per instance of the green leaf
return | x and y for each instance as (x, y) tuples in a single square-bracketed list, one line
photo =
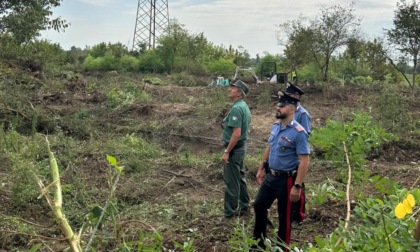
[(112, 160), (35, 247)]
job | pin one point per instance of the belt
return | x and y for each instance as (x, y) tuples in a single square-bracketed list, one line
[(278, 173)]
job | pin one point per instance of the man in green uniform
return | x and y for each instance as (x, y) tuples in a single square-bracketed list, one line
[(235, 133)]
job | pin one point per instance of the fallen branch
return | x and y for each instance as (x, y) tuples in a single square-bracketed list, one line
[(178, 174), (36, 224), (347, 195), (191, 177), (172, 179), (33, 235), (124, 223), (19, 113)]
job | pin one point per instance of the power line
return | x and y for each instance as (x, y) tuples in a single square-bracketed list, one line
[(151, 22)]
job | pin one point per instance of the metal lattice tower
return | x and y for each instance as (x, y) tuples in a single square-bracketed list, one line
[(151, 22)]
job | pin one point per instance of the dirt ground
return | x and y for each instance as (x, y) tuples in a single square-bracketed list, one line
[(397, 162), (184, 188)]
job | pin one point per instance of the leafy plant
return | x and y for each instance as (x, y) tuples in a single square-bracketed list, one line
[(131, 94), (187, 246), (323, 192), (147, 241), (373, 227), (240, 240), (360, 135)]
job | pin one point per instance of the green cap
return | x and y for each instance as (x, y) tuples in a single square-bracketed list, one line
[(242, 86)]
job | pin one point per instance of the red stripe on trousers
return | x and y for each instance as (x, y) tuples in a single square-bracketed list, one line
[(302, 205)]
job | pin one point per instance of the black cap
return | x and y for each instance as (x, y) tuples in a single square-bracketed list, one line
[(285, 99), (292, 89), (242, 86)]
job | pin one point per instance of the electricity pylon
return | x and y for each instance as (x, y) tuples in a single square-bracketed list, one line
[(151, 22)]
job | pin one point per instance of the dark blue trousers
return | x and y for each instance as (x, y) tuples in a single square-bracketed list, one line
[(273, 187)]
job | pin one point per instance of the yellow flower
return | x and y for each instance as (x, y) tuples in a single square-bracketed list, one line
[(407, 206), (411, 200), (400, 211)]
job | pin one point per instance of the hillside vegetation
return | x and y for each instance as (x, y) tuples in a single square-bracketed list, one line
[(107, 149), (167, 138)]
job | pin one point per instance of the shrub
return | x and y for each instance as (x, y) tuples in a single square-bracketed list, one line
[(393, 110), (360, 135), (183, 79), (132, 93), (223, 67), (129, 63), (149, 62), (373, 227)]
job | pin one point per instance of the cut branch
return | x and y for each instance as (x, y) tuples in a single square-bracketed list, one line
[(56, 204), (347, 194)]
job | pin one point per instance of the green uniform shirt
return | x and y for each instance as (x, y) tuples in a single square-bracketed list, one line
[(239, 117)]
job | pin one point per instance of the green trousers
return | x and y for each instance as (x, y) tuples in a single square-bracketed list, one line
[(236, 191)]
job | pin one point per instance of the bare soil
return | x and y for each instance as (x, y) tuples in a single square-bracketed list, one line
[(185, 187)]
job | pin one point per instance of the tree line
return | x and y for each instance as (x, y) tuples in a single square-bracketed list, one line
[(325, 48)]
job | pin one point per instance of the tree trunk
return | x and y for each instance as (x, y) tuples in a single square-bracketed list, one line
[(325, 76), (414, 73)]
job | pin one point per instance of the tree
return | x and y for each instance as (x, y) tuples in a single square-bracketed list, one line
[(323, 36), (173, 45), (25, 19), (297, 48), (334, 28), (363, 58), (375, 58), (405, 36)]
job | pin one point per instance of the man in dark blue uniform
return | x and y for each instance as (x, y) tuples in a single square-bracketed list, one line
[(287, 154), (303, 118), (301, 115)]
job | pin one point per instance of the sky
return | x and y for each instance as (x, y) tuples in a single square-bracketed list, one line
[(251, 24)]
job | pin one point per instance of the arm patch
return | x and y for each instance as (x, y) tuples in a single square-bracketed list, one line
[(299, 128)]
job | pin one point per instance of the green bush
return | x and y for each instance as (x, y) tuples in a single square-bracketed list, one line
[(359, 80), (126, 97), (222, 66), (135, 151), (105, 63), (360, 136), (373, 227), (153, 80), (393, 110), (27, 160), (183, 79), (129, 63), (91, 63), (189, 66), (149, 62)]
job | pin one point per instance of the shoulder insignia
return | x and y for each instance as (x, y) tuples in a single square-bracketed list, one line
[(299, 128)]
